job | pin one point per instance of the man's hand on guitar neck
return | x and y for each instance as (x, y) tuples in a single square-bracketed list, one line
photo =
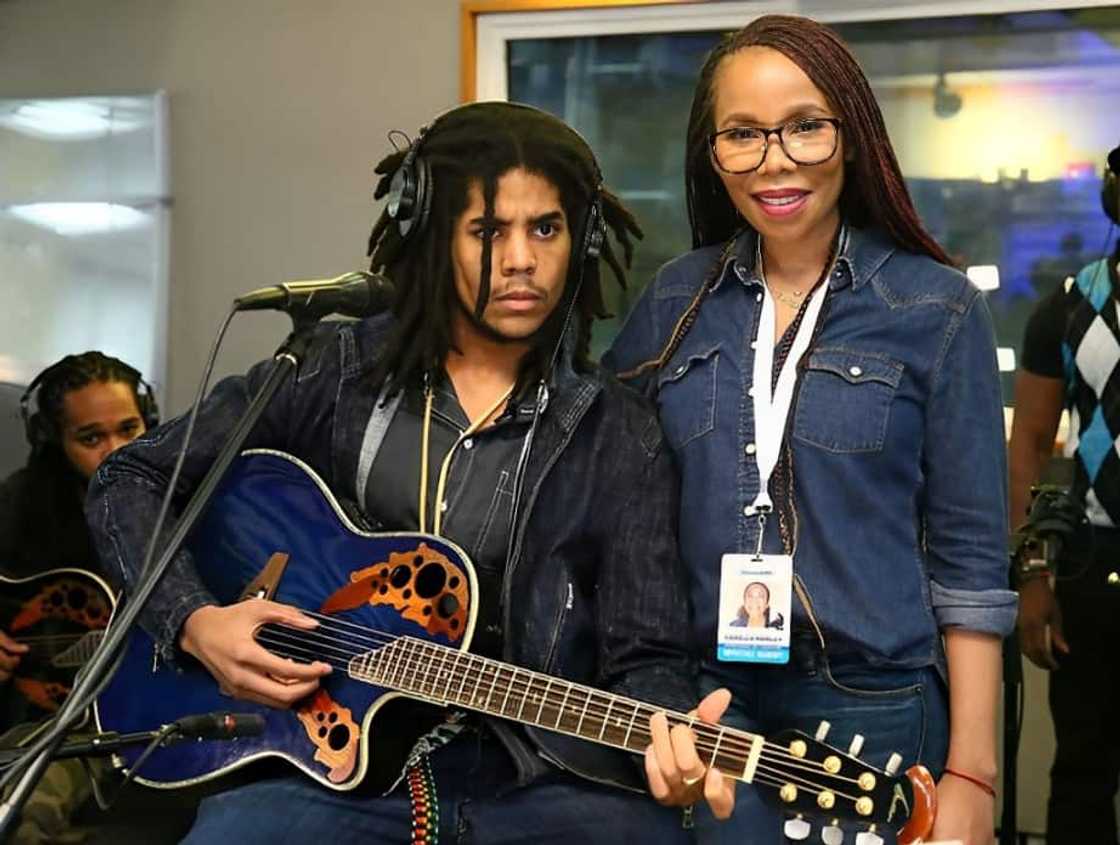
[(10, 652), (222, 639), (677, 777)]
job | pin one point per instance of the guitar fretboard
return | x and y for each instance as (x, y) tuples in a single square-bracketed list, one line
[(445, 676)]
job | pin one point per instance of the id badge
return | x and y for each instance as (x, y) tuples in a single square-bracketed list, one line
[(755, 598)]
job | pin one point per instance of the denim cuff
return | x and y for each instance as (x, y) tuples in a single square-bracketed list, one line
[(167, 646), (984, 611)]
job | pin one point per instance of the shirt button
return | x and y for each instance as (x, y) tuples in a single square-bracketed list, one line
[(680, 370), (750, 391), (856, 371), (747, 510), (754, 344), (750, 448), (443, 506), (758, 297), (468, 443)]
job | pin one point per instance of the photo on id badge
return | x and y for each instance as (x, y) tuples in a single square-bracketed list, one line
[(754, 608)]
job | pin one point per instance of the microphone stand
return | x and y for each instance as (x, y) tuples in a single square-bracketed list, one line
[(286, 360), (102, 745)]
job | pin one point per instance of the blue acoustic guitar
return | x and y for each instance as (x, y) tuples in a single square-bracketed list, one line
[(396, 615)]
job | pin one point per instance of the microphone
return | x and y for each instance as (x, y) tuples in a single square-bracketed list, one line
[(358, 294), (219, 725)]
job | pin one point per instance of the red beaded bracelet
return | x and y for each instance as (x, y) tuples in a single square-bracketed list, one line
[(987, 787)]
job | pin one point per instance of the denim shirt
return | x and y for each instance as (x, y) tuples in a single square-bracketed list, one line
[(896, 442), (594, 591)]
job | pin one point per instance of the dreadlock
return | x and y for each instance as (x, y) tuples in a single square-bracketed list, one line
[(874, 192), (477, 144)]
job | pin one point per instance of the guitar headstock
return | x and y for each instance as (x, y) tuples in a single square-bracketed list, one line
[(808, 777)]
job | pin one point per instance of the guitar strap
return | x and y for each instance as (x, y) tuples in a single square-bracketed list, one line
[(425, 802)]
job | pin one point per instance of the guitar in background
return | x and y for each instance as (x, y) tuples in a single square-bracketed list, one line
[(59, 615)]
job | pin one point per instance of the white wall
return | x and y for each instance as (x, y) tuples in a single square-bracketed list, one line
[(278, 112)]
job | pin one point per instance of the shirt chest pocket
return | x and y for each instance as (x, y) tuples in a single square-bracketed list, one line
[(844, 400), (686, 396)]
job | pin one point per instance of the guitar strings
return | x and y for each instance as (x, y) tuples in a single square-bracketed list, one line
[(765, 774), (728, 745)]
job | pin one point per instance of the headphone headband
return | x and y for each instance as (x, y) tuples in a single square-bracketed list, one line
[(411, 186), (40, 432)]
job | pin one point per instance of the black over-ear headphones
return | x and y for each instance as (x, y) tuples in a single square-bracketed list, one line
[(410, 189), (1110, 188), (41, 431)]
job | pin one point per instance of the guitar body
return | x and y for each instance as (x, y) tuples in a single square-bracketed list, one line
[(58, 614), (270, 506)]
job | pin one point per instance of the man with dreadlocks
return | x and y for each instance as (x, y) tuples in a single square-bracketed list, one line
[(472, 412)]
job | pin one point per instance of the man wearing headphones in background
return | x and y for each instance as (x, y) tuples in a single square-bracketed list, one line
[(75, 413), (474, 413), (1071, 358)]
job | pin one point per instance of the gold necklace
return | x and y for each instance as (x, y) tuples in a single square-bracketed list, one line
[(791, 299)]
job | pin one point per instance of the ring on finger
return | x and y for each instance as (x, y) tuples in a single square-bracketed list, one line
[(692, 781)]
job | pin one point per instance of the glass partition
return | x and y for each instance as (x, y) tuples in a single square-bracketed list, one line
[(83, 231), (1001, 124)]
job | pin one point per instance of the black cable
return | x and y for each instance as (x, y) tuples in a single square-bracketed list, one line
[(165, 732), (71, 708)]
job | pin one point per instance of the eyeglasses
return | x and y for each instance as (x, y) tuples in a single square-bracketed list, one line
[(805, 141)]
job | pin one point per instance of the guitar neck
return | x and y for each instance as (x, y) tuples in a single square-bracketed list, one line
[(443, 676)]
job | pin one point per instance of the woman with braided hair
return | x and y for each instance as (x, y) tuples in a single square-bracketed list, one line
[(828, 386)]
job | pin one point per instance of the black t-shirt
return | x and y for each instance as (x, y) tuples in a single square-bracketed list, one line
[(42, 525)]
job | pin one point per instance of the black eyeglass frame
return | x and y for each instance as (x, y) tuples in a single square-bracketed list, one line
[(836, 122)]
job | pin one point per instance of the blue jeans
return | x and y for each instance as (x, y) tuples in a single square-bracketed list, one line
[(479, 802), (903, 711)]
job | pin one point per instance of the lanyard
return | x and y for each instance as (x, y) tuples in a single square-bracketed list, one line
[(771, 407), (445, 467)]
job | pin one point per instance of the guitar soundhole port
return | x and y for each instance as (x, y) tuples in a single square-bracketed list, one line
[(401, 576), (428, 610), (383, 589), (57, 599), (407, 594), (430, 581), (78, 599), (332, 718), (418, 561), (454, 582), (339, 737), (447, 607)]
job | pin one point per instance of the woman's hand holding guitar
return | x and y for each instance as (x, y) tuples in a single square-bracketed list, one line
[(10, 652), (677, 776), (222, 639)]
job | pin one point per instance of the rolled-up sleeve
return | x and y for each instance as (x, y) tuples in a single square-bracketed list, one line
[(965, 462)]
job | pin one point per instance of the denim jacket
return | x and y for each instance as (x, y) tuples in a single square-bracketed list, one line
[(595, 590), (896, 442)]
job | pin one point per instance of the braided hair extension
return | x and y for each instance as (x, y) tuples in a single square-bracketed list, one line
[(476, 145), (874, 192)]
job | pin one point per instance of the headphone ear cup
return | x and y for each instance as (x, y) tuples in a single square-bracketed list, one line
[(595, 232), (423, 176), (402, 198), (1110, 196), (149, 409)]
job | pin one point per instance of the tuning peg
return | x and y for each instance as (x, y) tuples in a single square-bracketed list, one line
[(822, 730), (832, 835), (856, 746), (869, 837), (797, 829), (893, 763)]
